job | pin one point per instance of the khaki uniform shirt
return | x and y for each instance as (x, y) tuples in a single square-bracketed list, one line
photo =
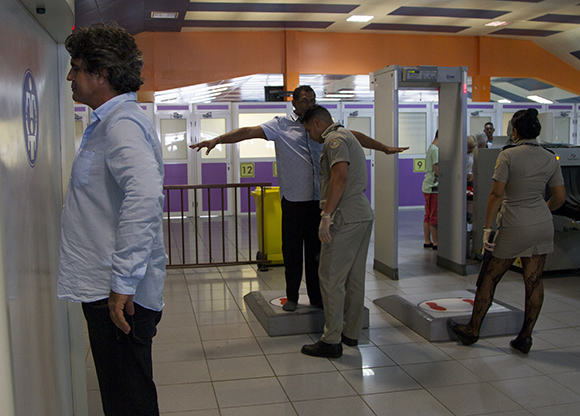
[(526, 168), (340, 145)]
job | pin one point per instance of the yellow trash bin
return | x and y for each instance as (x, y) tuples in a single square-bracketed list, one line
[(271, 250)]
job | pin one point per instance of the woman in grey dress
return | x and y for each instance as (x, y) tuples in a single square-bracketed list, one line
[(524, 225)]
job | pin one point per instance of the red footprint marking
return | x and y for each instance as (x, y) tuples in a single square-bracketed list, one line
[(471, 301), (434, 306)]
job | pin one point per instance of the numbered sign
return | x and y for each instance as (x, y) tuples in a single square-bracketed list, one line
[(247, 170), (418, 165), (275, 169)]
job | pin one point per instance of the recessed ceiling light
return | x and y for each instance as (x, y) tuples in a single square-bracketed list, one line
[(504, 101), (539, 99), (351, 95), (497, 23), (359, 18), (164, 15)]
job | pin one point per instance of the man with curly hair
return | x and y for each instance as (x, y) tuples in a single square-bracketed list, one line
[(112, 257)]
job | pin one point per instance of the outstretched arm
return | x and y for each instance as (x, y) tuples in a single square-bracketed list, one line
[(234, 136), (373, 144)]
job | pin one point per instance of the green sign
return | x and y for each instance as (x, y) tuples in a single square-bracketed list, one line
[(247, 170), (418, 165), (275, 169)]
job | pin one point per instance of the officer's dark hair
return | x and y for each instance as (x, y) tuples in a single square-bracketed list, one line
[(527, 124), (316, 112), (108, 47), (305, 88)]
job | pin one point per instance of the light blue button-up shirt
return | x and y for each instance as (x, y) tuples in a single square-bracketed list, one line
[(297, 156), (111, 226)]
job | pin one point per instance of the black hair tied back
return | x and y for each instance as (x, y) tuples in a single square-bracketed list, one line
[(527, 124)]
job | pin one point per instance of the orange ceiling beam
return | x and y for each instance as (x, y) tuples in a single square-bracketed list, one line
[(175, 60)]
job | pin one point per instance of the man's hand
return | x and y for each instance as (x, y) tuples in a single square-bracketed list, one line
[(324, 230), (392, 150), (118, 303), (210, 144)]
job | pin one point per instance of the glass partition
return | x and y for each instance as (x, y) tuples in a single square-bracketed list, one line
[(413, 132), (256, 148), (173, 138), (210, 128)]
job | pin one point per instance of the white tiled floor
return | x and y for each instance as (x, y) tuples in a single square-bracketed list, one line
[(212, 357)]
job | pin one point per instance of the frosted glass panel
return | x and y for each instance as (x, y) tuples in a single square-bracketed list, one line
[(362, 124), (476, 124), (561, 130), (413, 132), (173, 139), (78, 133), (257, 148), (210, 128), (506, 119)]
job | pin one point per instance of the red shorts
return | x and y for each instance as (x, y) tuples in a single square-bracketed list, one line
[(430, 208)]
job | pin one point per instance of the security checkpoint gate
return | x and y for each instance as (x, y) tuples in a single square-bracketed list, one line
[(451, 82)]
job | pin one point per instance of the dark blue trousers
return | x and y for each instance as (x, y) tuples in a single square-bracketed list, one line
[(300, 243), (123, 362)]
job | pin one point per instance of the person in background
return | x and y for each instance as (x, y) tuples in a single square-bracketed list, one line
[(345, 232), (471, 146), (488, 129), (430, 192), (299, 178), (481, 139), (112, 256), (524, 225)]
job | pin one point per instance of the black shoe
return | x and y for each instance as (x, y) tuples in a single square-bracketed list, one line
[(290, 306), (434, 247), (322, 349), (348, 341), (462, 332), (317, 304), (428, 245), (523, 345)]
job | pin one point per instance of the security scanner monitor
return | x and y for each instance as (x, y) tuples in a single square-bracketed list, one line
[(451, 84)]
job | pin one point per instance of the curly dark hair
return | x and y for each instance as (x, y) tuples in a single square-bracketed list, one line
[(108, 47), (527, 124)]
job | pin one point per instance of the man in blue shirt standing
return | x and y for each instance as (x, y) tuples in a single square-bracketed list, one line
[(298, 162), (112, 257)]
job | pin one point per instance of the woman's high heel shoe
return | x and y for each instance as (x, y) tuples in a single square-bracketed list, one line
[(523, 345), (462, 332)]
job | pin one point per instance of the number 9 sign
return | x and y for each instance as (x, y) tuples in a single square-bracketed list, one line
[(418, 165)]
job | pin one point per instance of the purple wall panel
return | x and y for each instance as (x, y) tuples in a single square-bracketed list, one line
[(264, 173), (410, 193), (176, 174), (214, 173)]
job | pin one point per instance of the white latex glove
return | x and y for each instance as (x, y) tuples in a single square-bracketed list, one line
[(486, 244), (324, 230)]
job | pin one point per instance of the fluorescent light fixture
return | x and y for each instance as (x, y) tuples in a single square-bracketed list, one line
[(539, 99), (351, 95), (359, 18), (164, 15), (497, 23), (504, 101)]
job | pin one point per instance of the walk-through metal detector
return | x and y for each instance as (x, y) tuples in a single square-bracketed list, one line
[(451, 82)]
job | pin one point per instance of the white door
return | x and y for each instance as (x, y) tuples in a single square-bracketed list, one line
[(173, 124), (360, 117), (212, 120)]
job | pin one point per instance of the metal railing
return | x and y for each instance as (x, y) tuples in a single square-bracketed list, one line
[(193, 223)]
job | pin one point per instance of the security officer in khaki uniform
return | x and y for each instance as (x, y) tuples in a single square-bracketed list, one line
[(345, 231)]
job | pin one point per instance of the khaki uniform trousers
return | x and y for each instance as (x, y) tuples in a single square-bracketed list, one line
[(342, 279)]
